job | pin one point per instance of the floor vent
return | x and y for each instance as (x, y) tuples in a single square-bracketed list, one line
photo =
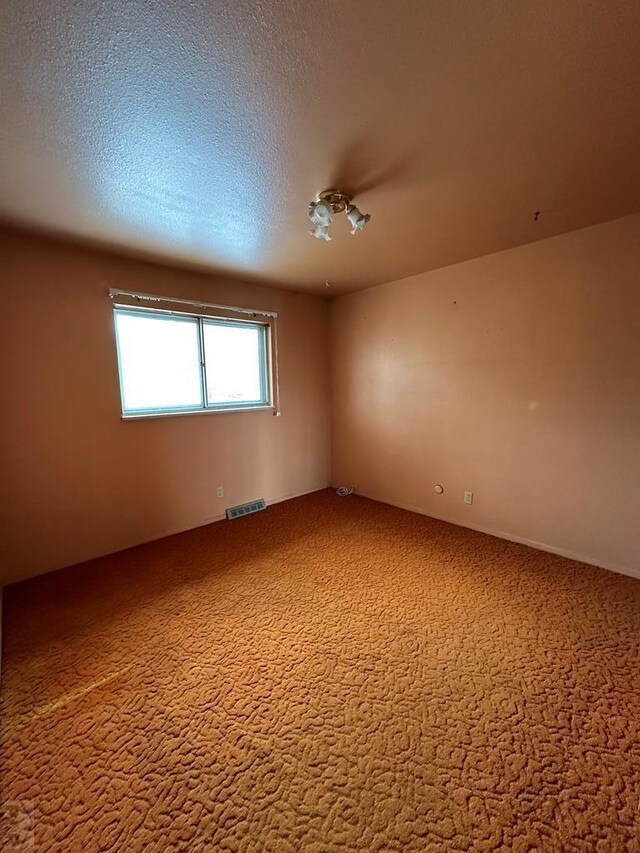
[(246, 509)]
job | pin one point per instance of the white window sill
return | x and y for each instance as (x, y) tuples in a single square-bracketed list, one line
[(143, 416)]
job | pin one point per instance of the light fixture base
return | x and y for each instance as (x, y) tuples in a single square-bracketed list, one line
[(338, 200)]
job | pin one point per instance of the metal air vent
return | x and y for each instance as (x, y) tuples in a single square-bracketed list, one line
[(246, 509)]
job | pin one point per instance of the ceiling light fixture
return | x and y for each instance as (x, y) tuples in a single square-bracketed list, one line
[(321, 232), (358, 220), (324, 207)]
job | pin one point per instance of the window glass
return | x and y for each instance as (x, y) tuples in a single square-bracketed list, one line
[(174, 363), (234, 363), (159, 361)]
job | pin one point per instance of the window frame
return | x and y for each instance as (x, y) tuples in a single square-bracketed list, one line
[(265, 364)]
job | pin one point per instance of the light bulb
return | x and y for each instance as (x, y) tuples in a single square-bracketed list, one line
[(321, 232), (320, 213), (358, 220)]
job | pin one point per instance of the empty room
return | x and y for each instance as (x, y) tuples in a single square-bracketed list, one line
[(320, 434)]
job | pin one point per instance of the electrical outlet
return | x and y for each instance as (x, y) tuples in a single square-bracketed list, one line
[(468, 497), (219, 491)]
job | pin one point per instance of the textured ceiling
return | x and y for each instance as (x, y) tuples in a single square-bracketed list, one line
[(197, 132)]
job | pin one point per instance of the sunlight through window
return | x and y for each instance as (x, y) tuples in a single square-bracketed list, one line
[(172, 364)]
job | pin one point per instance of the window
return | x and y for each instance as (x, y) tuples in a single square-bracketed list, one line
[(171, 363)]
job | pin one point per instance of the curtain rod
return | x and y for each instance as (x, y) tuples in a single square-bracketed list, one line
[(152, 297)]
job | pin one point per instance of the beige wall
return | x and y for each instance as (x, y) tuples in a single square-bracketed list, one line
[(77, 481), (517, 376)]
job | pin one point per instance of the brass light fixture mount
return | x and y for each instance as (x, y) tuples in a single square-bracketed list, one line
[(326, 205), (338, 200)]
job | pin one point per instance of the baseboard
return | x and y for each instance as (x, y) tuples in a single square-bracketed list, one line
[(171, 532), (521, 540), (203, 523), (222, 516), (297, 495)]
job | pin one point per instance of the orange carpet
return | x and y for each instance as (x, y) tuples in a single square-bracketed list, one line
[(330, 675)]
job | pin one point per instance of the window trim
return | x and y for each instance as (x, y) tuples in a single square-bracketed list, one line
[(265, 343)]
